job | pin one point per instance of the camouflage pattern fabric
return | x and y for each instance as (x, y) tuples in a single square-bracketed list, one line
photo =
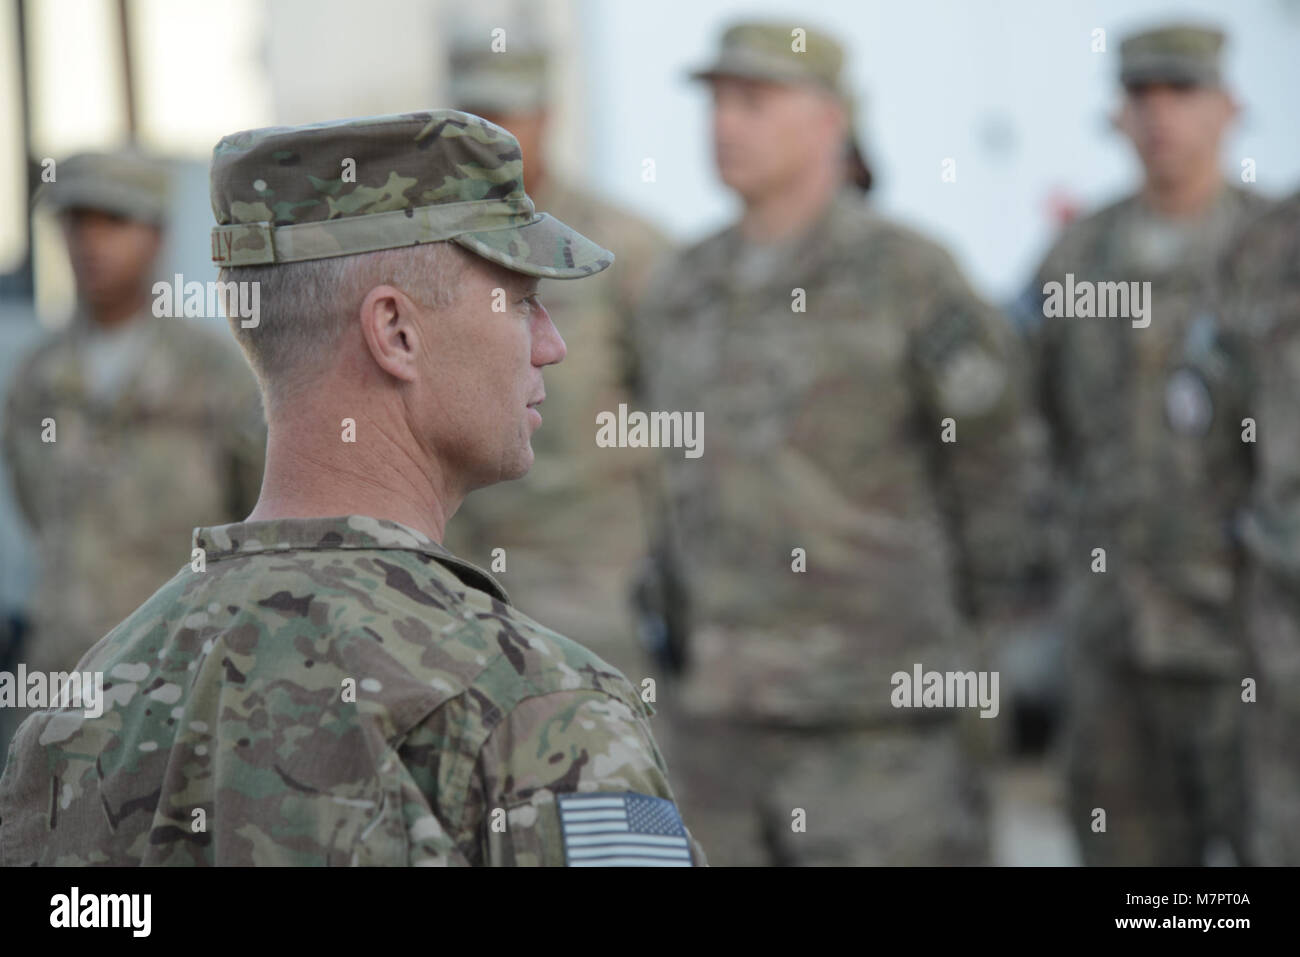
[(572, 529), (780, 53), (133, 468), (286, 194), (127, 183), (493, 82), (825, 433), (229, 696), (1262, 305), (903, 795), (1152, 473), (1163, 754), (1145, 426), (1173, 54)]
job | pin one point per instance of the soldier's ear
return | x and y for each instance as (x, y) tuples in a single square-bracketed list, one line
[(390, 328), (836, 115)]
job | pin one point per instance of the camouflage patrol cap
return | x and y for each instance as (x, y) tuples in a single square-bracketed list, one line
[(483, 81), (1173, 54), (126, 183), (779, 52), (288, 194)]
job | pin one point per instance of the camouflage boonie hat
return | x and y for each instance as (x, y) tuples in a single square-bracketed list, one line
[(779, 52), (289, 194), (507, 82), (1174, 54), (126, 183)]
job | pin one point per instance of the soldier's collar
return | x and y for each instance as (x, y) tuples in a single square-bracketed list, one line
[(81, 324), (839, 221), (844, 199), (327, 534)]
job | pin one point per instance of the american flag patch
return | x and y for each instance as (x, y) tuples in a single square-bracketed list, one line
[(622, 830)]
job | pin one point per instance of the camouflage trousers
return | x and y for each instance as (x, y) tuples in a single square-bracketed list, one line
[(1163, 755), (1273, 724), (760, 796)]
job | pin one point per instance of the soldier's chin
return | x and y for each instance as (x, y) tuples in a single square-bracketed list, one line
[(1165, 163), (521, 467), (503, 470), (745, 182), (99, 292)]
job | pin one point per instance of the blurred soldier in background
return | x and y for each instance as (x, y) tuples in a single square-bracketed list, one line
[(122, 431), (571, 531), (1144, 423), (843, 523), (1262, 302)]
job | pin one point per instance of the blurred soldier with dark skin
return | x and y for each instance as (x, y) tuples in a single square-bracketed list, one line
[(571, 532), (1261, 304), (122, 430), (829, 536), (1144, 417)]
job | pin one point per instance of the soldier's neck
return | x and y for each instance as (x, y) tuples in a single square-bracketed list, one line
[(791, 210), (318, 473), (1187, 198)]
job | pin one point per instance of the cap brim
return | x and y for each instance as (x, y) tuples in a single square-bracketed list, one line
[(104, 197), (757, 67), (748, 72), (489, 93), (546, 248), (1158, 70)]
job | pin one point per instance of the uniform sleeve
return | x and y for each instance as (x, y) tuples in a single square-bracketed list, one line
[(1043, 347), (645, 251), (989, 447), (21, 434), (1260, 303), (556, 745), (660, 601)]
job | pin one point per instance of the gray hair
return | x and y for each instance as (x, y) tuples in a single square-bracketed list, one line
[(305, 307)]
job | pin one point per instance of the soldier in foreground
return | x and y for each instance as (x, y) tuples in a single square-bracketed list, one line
[(326, 683), (1262, 305), (842, 524), (570, 532), (1144, 406), (123, 430)]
